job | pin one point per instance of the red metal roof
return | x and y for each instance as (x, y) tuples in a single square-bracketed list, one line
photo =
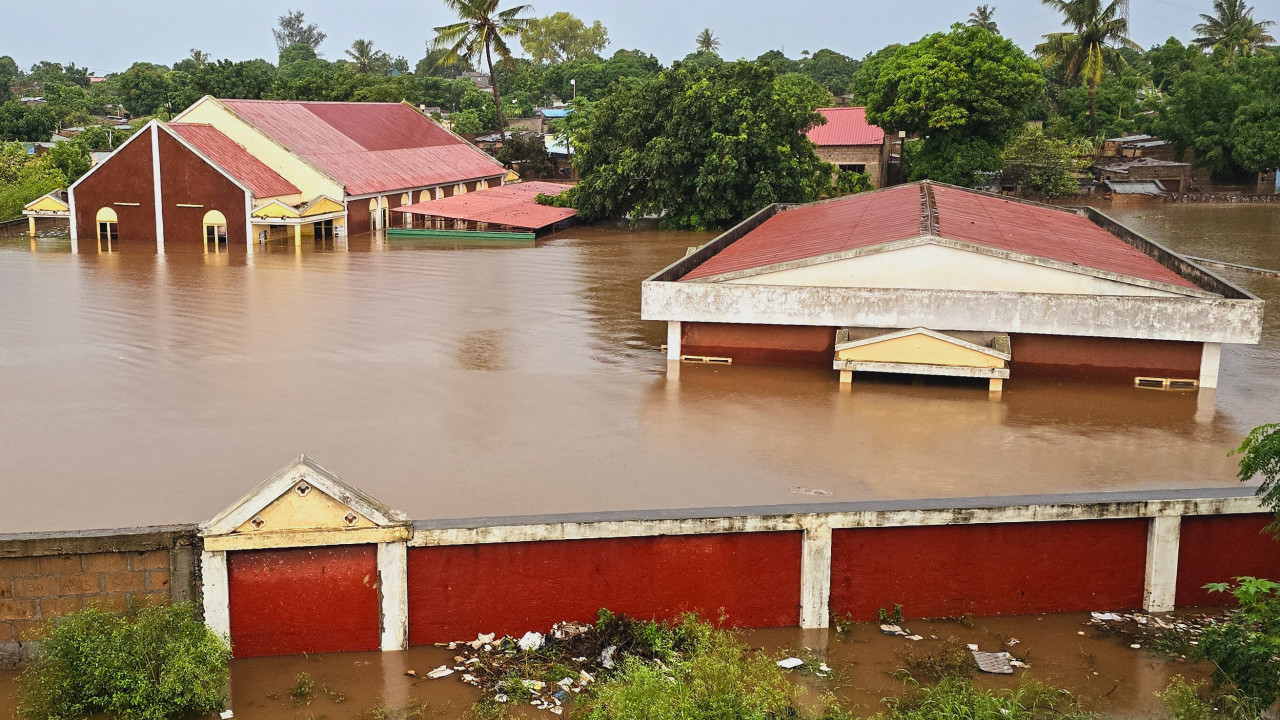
[(512, 205), (369, 147), (261, 180), (899, 213), (846, 126)]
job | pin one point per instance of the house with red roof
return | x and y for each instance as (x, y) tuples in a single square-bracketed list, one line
[(931, 279), (239, 172), (851, 143)]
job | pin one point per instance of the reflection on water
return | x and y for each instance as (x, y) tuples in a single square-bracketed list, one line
[(459, 382)]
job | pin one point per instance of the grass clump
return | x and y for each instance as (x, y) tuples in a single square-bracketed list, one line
[(414, 709), (959, 698), (947, 659), (304, 688), (1201, 701), (159, 663)]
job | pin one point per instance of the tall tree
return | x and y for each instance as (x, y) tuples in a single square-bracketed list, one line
[(984, 17), (293, 29), (366, 59), (1091, 47), (562, 37), (482, 31), (1232, 29), (198, 58), (707, 41)]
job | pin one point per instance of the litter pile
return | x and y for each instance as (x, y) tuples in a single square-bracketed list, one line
[(1000, 663), (1167, 635)]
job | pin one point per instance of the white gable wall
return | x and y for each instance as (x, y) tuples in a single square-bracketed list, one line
[(936, 267)]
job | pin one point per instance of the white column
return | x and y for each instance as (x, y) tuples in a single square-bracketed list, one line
[(1210, 357), (393, 579), (217, 592), (1163, 535), (673, 340), (155, 182), (815, 576), (75, 231)]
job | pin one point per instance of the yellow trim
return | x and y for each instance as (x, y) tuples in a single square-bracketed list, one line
[(919, 349), (281, 210), (47, 203), (189, 205), (307, 538), (322, 206), (125, 204), (213, 217), (106, 214)]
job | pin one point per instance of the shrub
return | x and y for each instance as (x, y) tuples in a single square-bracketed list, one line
[(161, 662), (1195, 701), (948, 659), (1245, 647), (960, 699)]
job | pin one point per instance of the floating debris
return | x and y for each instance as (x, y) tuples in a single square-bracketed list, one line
[(442, 671), (531, 641), (996, 663), (789, 663)]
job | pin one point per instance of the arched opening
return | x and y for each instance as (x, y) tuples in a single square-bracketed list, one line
[(108, 230), (378, 214), (215, 231), (406, 219)]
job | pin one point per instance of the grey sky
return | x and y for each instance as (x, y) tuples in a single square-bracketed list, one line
[(108, 37)]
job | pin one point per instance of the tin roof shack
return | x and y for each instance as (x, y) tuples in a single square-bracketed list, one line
[(1173, 176), (849, 142), (272, 168), (916, 269), (1137, 146), (507, 213)]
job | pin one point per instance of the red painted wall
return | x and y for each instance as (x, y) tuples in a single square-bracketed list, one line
[(1101, 359), (796, 345), (124, 177), (285, 602), (358, 216), (456, 592), (1217, 548), (1007, 569), (186, 179)]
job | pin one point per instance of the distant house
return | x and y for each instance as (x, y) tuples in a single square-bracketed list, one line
[(238, 171), (479, 79), (32, 101), (1172, 176), (548, 115), (851, 143), (1136, 146)]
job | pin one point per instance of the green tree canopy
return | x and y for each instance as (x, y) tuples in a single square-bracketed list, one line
[(983, 17), (365, 59), (292, 29), (967, 92), (1232, 29), (832, 69), (482, 32), (144, 91), (698, 149), (1091, 47), (707, 41), (26, 124), (1044, 165), (562, 36)]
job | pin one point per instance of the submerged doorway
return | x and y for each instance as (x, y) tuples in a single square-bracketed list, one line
[(215, 231)]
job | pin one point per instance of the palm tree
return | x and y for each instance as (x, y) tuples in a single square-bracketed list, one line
[(362, 55), (984, 17), (198, 57), (707, 42), (1092, 46), (483, 30), (1232, 28)]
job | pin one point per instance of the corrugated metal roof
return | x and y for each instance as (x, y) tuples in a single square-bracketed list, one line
[(908, 211), (369, 147), (261, 180), (1136, 187), (1125, 165), (512, 205), (846, 126)]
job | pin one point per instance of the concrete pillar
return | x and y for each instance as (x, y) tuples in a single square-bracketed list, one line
[(815, 575), (217, 592), (846, 377), (673, 340), (1163, 536), (297, 235), (393, 590), (31, 224), (996, 385), (1210, 357)]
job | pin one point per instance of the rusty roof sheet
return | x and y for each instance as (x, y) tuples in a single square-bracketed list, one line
[(908, 211), (261, 180), (369, 147), (511, 205), (846, 126)]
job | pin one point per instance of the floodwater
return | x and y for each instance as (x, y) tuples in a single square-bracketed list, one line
[(1104, 672), (457, 382)]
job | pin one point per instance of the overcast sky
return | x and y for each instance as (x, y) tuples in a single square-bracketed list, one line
[(107, 37)]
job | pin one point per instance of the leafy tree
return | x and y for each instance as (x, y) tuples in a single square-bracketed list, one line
[(143, 90), (967, 92), (9, 75), (367, 60), (431, 65), (101, 137), (24, 178), (1091, 47), (595, 76), (293, 29), (198, 59), (699, 149), (562, 36), (467, 122), (71, 158), (1171, 61), (800, 88), (527, 152), (26, 124), (298, 52), (700, 61), (833, 70), (1118, 109), (707, 41), (482, 31), (984, 17), (1042, 164), (1232, 29), (66, 101), (1260, 458), (869, 71), (50, 72), (780, 63)]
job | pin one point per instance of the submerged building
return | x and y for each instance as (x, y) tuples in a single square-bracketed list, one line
[(931, 279), (244, 171)]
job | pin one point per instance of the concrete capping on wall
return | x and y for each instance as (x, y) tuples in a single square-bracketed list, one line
[(800, 517), (1224, 320), (1170, 259)]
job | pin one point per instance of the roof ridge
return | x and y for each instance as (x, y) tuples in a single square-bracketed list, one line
[(928, 210)]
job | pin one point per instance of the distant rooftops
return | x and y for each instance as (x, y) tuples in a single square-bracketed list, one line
[(846, 126), (1127, 164)]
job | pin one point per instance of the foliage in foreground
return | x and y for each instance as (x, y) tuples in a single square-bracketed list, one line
[(161, 662), (1198, 701), (1245, 647), (1260, 457), (960, 698)]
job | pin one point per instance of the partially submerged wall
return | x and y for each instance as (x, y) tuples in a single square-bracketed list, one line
[(45, 576)]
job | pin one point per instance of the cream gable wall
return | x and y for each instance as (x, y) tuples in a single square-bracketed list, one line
[(309, 180), (936, 267), (919, 349)]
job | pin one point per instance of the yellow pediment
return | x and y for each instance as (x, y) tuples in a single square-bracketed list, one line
[(919, 348), (47, 203), (322, 206), (275, 209), (304, 507)]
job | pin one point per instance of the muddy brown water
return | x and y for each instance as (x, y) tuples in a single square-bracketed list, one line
[(1104, 672), (463, 382)]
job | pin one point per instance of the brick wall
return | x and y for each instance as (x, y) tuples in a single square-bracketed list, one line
[(44, 577)]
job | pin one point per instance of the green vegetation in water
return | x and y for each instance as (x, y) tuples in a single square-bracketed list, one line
[(158, 663), (413, 709), (1201, 701), (887, 617), (947, 659), (304, 688), (959, 699), (1245, 647)]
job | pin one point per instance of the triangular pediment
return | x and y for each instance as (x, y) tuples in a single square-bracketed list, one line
[(275, 209), (934, 263), (922, 346), (48, 204), (322, 205), (303, 497)]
